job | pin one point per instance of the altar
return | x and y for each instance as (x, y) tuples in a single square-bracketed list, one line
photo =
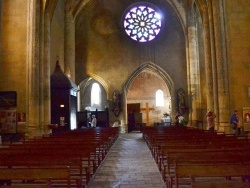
[(166, 121)]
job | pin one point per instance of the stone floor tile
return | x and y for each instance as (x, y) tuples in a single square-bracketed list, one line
[(129, 164)]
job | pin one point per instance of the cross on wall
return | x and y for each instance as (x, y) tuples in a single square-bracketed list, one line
[(147, 109)]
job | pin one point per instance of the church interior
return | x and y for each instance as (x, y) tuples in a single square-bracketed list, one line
[(195, 48), (131, 65)]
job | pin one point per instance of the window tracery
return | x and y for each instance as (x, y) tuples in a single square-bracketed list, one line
[(142, 22)]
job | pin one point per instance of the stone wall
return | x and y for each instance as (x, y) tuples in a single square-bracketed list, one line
[(238, 42), (13, 50)]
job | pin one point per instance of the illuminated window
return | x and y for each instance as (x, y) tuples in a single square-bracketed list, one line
[(95, 95), (142, 22), (159, 98)]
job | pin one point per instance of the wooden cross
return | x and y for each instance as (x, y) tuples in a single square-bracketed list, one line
[(147, 109)]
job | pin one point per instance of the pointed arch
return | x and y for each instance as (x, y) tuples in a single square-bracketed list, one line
[(156, 70), (83, 87), (159, 72), (180, 12), (50, 8), (102, 82)]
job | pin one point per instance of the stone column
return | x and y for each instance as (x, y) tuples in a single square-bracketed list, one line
[(41, 86), (69, 43), (32, 86), (222, 76), (214, 97), (193, 74), (208, 61), (46, 73), (213, 59)]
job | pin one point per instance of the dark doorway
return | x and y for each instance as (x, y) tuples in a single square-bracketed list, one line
[(134, 117)]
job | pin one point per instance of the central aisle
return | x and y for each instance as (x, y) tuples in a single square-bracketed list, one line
[(129, 164)]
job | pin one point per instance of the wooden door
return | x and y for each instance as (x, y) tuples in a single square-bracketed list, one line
[(134, 116)]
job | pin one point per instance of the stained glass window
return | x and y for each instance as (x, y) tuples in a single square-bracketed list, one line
[(142, 22)]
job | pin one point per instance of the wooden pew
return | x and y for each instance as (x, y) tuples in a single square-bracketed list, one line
[(194, 171), (99, 139), (190, 147), (99, 149), (226, 184), (156, 138), (54, 152), (62, 151), (92, 150), (188, 150), (37, 177), (187, 138), (77, 169), (202, 157)]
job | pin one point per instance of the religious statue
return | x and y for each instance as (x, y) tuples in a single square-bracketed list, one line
[(181, 103), (117, 107)]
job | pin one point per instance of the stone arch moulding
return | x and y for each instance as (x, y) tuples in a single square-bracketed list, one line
[(85, 83), (180, 12), (102, 82), (149, 66)]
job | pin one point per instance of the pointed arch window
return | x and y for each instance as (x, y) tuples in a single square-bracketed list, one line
[(159, 98), (95, 95)]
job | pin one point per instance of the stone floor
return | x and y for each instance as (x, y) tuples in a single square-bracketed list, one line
[(129, 164)]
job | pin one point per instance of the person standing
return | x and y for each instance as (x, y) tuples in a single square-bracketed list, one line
[(210, 121), (234, 121), (89, 121), (94, 121)]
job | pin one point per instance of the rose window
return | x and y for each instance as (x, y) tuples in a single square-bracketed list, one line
[(142, 22)]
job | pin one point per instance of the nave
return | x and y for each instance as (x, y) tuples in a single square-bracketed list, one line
[(129, 164)]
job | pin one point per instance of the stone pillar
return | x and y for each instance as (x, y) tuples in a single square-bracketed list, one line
[(222, 76), (46, 73), (208, 61), (42, 52), (32, 86), (213, 59), (193, 74), (69, 43), (213, 105)]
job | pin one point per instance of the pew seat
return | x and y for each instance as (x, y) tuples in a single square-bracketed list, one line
[(203, 171), (36, 177)]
